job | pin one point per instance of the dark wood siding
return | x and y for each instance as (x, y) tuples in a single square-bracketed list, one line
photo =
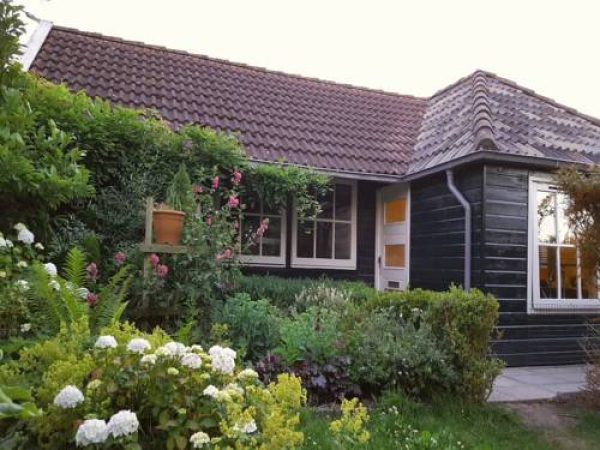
[(437, 230), (526, 339), (365, 252)]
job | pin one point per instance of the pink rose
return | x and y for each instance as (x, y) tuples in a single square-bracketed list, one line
[(226, 254), (119, 258), (92, 271), (154, 260), (162, 270), (236, 225), (215, 183), (262, 229), (233, 201), (209, 221), (236, 178), (91, 299)]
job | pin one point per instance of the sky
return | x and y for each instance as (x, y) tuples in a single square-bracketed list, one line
[(412, 47)]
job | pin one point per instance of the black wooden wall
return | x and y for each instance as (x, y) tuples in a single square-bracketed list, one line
[(499, 199), (365, 241)]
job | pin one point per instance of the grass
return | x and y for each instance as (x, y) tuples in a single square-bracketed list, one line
[(400, 423), (588, 426)]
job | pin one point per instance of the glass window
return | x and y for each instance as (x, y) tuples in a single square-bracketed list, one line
[(559, 268), (328, 240), (263, 234)]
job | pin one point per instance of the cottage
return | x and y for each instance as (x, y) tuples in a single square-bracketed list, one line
[(454, 188)]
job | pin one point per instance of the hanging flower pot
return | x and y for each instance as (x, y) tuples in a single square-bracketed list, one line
[(167, 225)]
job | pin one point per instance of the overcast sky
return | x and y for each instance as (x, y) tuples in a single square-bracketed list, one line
[(411, 47)]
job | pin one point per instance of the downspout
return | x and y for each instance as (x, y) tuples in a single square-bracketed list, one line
[(467, 207)]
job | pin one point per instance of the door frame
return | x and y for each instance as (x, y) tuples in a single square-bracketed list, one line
[(379, 232)]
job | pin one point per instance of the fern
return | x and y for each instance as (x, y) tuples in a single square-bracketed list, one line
[(75, 267), (184, 333), (111, 300)]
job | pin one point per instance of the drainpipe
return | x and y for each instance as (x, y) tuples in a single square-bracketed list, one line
[(467, 207)]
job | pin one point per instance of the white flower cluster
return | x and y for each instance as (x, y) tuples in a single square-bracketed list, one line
[(69, 397), (54, 285), (224, 395), (248, 427), (222, 359), (248, 375), (210, 391), (22, 285), (106, 341), (199, 439), (5, 243), (91, 431), (191, 360), (26, 236), (174, 349), (138, 345), (96, 431), (51, 269)]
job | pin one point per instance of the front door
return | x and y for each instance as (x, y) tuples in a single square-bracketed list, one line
[(393, 227)]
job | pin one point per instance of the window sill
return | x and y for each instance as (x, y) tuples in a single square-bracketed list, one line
[(263, 262), (325, 264), (544, 306)]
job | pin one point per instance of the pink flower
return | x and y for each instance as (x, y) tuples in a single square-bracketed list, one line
[(226, 254), (92, 271), (236, 225), (119, 258), (162, 270), (91, 299), (262, 229), (154, 259), (233, 202), (215, 183), (236, 178), (209, 221)]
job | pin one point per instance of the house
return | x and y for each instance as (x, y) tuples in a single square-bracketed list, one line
[(454, 188)]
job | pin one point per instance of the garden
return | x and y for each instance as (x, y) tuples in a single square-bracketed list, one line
[(109, 344)]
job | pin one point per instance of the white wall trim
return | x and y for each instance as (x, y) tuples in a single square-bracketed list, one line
[(35, 43)]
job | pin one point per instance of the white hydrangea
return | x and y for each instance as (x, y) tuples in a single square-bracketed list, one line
[(20, 227), (69, 397), (248, 374), (222, 396), (138, 345), (148, 359), (210, 391), (191, 360), (9, 243), (22, 264), (2, 242), (172, 371), (82, 292), (51, 269), (196, 348), (234, 390), (199, 439), (39, 246), (123, 423), (26, 236), (222, 359), (22, 285), (91, 431), (248, 427), (173, 349), (106, 341), (54, 285), (25, 327)]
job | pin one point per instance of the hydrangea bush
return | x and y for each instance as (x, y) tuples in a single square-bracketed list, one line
[(127, 389)]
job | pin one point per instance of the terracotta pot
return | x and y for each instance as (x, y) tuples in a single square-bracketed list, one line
[(167, 225)]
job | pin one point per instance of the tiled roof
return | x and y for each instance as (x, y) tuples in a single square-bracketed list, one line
[(317, 123)]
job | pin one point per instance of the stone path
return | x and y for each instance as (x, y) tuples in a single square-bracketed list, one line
[(537, 383)]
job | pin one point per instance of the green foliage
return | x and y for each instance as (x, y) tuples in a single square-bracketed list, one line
[(11, 29), (111, 302), (23, 410), (253, 325), (179, 192)]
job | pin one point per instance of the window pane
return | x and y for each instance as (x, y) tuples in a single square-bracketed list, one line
[(568, 272), (305, 238), (271, 241), (343, 201), (343, 240), (326, 202), (252, 204), (564, 228), (589, 282), (395, 211), (548, 279), (394, 255), (250, 246), (324, 239), (545, 217), (271, 210)]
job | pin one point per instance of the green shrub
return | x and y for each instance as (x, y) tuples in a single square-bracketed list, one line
[(463, 324), (391, 353), (253, 325)]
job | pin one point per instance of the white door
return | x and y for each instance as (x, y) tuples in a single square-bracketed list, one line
[(393, 228)]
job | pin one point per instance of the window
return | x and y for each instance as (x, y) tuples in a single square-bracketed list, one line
[(559, 279), (268, 249), (329, 240)]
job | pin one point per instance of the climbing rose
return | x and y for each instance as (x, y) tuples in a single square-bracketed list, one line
[(236, 178), (233, 201), (92, 271), (215, 183), (120, 258), (209, 221), (162, 270), (154, 259), (91, 299), (69, 397)]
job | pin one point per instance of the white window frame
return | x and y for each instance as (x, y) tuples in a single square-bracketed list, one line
[(260, 260), (536, 304), (328, 263)]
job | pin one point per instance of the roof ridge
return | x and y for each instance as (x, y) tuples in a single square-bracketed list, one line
[(483, 124), (237, 64)]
